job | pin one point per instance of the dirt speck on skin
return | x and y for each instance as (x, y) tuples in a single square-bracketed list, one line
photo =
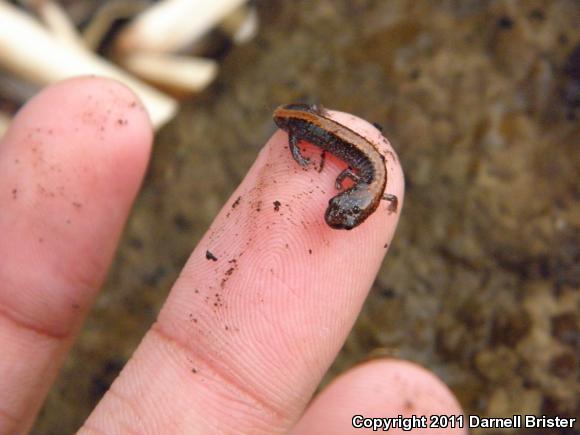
[(481, 102)]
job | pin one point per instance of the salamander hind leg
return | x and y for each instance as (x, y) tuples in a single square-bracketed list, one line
[(296, 154), (394, 202), (347, 173)]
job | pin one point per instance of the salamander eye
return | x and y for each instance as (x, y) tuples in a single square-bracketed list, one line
[(356, 209)]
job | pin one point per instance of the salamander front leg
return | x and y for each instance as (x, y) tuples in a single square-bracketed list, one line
[(348, 172), (293, 143), (394, 202)]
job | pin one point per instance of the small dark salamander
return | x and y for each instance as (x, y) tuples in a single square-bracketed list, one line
[(366, 164)]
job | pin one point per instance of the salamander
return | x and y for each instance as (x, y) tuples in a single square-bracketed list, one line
[(367, 167)]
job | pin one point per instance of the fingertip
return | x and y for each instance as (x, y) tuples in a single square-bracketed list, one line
[(90, 104), (384, 388), (407, 387), (87, 124)]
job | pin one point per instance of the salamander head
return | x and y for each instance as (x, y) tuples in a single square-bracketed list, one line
[(349, 209)]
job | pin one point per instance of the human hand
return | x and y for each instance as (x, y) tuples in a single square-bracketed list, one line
[(242, 342)]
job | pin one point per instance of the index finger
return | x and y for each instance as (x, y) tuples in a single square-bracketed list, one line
[(262, 306)]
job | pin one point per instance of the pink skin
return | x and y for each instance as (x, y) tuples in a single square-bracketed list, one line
[(383, 388), (244, 361)]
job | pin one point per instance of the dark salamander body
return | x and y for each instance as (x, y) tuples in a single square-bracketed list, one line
[(366, 164)]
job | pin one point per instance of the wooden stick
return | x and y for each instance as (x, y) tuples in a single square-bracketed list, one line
[(58, 22), (30, 52), (183, 74), (172, 25)]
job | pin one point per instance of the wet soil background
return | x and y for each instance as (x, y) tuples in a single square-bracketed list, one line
[(481, 101)]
